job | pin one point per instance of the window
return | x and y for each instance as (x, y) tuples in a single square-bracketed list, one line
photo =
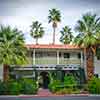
[(31, 53), (79, 55), (66, 55), (98, 53), (98, 57), (59, 54), (39, 54)]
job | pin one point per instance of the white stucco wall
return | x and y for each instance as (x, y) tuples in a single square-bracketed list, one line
[(1, 72), (96, 66)]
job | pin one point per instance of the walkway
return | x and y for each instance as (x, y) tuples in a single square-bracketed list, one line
[(44, 92)]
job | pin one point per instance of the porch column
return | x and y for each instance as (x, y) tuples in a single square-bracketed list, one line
[(57, 57), (81, 59), (33, 56)]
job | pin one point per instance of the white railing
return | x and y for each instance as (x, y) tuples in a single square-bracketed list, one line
[(51, 67)]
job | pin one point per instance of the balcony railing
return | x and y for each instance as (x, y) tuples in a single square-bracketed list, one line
[(46, 60), (69, 61), (53, 60)]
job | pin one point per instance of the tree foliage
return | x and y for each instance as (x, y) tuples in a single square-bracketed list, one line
[(37, 30), (89, 29), (66, 35), (12, 46), (54, 17)]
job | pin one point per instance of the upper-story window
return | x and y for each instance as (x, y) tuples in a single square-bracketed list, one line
[(79, 55), (98, 57), (45, 54), (66, 55), (98, 53), (59, 54), (39, 54)]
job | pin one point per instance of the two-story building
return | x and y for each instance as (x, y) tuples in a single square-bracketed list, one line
[(56, 60)]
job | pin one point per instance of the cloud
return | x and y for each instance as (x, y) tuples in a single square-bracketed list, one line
[(21, 13)]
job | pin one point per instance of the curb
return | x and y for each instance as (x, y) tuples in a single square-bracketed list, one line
[(66, 95), (70, 95)]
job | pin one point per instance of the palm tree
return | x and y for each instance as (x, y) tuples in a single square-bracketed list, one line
[(54, 17), (88, 27), (12, 49), (37, 30), (66, 35)]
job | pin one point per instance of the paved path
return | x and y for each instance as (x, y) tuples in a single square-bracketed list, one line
[(44, 92)]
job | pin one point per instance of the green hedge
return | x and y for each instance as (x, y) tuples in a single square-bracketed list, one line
[(13, 87), (94, 85), (16, 87), (3, 88), (68, 86), (29, 86), (54, 86)]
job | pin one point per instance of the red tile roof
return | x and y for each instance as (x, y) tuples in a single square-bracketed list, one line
[(52, 46)]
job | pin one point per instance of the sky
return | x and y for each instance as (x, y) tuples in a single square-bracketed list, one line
[(21, 13)]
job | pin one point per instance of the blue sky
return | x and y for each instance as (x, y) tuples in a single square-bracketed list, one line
[(21, 13)]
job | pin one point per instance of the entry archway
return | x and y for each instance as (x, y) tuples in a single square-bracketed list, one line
[(45, 79)]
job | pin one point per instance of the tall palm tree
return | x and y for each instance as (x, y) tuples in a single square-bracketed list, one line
[(88, 27), (37, 30), (66, 35), (12, 49), (54, 17)]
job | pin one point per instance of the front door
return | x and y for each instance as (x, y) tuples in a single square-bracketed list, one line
[(45, 79)]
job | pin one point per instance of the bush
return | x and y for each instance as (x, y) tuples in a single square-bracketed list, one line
[(64, 91), (3, 88), (29, 86), (11, 87), (94, 85), (14, 88), (54, 86), (69, 81), (66, 87)]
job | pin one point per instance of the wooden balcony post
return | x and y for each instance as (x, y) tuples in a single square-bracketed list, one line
[(33, 56), (81, 59), (57, 57)]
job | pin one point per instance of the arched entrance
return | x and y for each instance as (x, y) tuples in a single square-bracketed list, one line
[(45, 80)]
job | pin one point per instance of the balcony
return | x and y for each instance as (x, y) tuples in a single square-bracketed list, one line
[(53, 60)]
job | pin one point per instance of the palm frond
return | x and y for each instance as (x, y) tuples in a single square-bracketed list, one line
[(89, 26), (66, 35), (12, 45)]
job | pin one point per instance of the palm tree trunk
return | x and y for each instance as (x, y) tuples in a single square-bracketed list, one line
[(5, 72), (89, 63), (54, 29), (36, 40)]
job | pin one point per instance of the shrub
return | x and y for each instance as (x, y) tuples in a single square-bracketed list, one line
[(54, 86), (69, 81), (14, 88), (11, 87), (66, 87), (64, 91), (29, 86), (3, 88), (94, 85)]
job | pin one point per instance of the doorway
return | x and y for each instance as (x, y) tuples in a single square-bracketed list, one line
[(45, 80)]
